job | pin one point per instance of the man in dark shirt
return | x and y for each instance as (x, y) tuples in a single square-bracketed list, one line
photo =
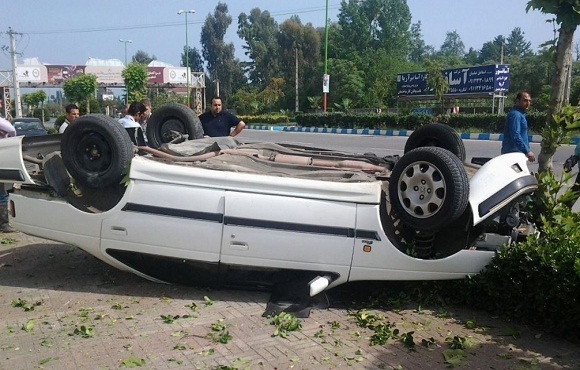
[(218, 122)]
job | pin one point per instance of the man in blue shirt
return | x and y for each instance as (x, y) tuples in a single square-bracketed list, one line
[(515, 134), (218, 122)]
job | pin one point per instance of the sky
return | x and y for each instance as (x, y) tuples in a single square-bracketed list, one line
[(71, 32)]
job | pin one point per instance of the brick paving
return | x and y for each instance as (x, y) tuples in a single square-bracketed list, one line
[(121, 314)]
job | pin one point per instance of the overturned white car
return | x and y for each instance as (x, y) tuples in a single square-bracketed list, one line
[(189, 210)]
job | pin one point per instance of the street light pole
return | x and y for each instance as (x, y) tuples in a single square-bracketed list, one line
[(326, 79), (126, 42), (186, 49)]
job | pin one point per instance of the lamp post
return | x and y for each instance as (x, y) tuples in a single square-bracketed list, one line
[(186, 50), (326, 78), (126, 42)]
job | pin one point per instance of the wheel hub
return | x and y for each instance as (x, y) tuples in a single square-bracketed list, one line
[(422, 189)]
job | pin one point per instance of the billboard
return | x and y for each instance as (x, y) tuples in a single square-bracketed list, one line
[(106, 75), (462, 81), (155, 75), (31, 73), (53, 74), (59, 73)]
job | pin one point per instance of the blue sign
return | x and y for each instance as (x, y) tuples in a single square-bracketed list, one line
[(464, 80)]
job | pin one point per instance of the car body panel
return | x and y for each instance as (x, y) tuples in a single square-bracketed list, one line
[(12, 167), (495, 175)]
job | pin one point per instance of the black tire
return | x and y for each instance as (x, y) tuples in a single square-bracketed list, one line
[(96, 149), (428, 188), (172, 117), (439, 135)]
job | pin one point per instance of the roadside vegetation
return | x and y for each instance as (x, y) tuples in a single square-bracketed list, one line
[(537, 281)]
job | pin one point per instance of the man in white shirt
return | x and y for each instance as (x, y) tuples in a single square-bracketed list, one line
[(72, 113), (135, 113)]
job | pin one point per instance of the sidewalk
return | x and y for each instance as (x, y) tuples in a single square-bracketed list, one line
[(63, 309)]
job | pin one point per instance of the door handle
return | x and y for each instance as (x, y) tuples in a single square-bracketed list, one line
[(118, 230), (239, 246)]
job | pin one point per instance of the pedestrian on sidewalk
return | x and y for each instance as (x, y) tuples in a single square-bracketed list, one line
[(515, 133)]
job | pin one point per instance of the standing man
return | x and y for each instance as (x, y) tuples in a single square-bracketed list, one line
[(136, 112), (72, 113), (143, 120), (218, 122), (515, 134), (6, 130)]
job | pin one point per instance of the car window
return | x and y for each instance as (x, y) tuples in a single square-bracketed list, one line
[(28, 125)]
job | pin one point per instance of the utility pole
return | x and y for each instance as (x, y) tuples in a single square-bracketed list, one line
[(296, 58), (15, 82)]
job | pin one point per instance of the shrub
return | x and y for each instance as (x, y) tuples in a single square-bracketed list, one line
[(538, 280), (492, 123)]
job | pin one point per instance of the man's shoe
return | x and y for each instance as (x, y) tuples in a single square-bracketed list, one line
[(6, 228)]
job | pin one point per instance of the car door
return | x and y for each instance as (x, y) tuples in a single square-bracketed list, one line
[(171, 221), (288, 233)]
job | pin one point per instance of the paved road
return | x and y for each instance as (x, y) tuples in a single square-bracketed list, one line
[(87, 315)]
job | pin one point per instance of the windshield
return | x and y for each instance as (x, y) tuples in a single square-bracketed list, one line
[(28, 125)]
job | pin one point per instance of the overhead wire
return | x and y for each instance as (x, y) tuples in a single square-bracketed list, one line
[(165, 24)]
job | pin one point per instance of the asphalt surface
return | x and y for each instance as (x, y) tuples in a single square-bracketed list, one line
[(61, 308)]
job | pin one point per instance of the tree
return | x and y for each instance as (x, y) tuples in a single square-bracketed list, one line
[(452, 46), (33, 100), (259, 30), (567, 17), (302, 42), (135, 77), (348, 81), (270, 95), (419, 50), (221, 65), (491, 51), (436, 82), (373, 24), (80, 88), (142, 57), (516, 45), (195, 59)]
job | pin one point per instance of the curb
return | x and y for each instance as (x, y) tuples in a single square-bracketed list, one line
[(344, 131)]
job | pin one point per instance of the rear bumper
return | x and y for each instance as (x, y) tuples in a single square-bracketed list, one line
[(518, 187)]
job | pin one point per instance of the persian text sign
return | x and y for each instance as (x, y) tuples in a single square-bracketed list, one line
[(465, 80)]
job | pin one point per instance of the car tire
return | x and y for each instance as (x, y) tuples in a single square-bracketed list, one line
[(172, 117), (438, 135), (96, 149), (428, 188)]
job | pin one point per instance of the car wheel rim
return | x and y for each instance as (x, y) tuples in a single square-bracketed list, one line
[(421, 190), (169, 128), (94, 152)]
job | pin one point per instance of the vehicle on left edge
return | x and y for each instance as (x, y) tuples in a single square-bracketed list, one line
[(29, 126)]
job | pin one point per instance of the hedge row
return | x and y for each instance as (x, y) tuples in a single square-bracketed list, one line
[(461, 122)]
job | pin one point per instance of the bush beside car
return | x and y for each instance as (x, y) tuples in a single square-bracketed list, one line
[(537, 281)]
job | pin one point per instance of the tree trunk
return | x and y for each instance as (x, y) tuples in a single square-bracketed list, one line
[(563, 65), (545, 161)]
